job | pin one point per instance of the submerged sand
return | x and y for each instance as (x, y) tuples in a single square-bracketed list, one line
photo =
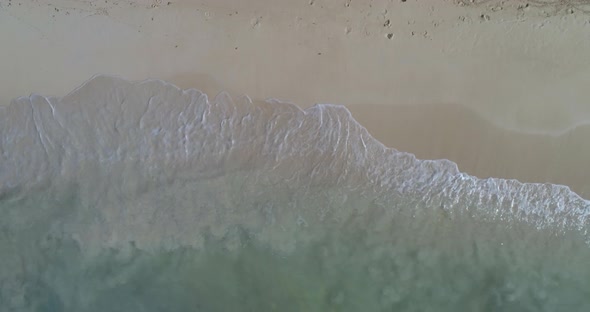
[(499, 87), (145, 197)]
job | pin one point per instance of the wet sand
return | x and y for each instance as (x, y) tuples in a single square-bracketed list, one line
[(493, 86), (479, 147)]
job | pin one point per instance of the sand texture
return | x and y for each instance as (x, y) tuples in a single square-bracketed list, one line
[(499, 87)]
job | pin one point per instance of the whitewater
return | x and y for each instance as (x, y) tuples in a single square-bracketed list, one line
[(140, 196)]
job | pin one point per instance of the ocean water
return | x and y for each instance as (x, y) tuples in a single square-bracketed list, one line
[(139, 196)]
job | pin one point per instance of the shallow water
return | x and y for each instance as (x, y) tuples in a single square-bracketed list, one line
[(142, 197)]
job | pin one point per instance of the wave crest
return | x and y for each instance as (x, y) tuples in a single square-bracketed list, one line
[(163, 131)]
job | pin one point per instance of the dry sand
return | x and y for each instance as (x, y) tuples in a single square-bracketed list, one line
[(500, 87)]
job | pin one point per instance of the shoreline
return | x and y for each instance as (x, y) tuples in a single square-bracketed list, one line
[(497, 87)]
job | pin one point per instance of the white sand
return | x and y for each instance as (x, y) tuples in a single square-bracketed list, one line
[(452, 81)]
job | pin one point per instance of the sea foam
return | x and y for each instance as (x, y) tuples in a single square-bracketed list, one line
[(121, 190)]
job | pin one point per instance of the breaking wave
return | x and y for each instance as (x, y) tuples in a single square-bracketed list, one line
[(140, 196)]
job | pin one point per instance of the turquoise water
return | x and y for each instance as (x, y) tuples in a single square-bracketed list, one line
[(165, 201)]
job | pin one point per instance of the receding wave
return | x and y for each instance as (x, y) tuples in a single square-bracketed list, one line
[(140, 196)]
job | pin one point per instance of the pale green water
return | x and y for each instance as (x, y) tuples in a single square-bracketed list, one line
[(163, 201), (371, 260)]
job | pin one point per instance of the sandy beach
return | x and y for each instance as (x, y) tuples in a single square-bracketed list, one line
[(374, 165), (499, 87)]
